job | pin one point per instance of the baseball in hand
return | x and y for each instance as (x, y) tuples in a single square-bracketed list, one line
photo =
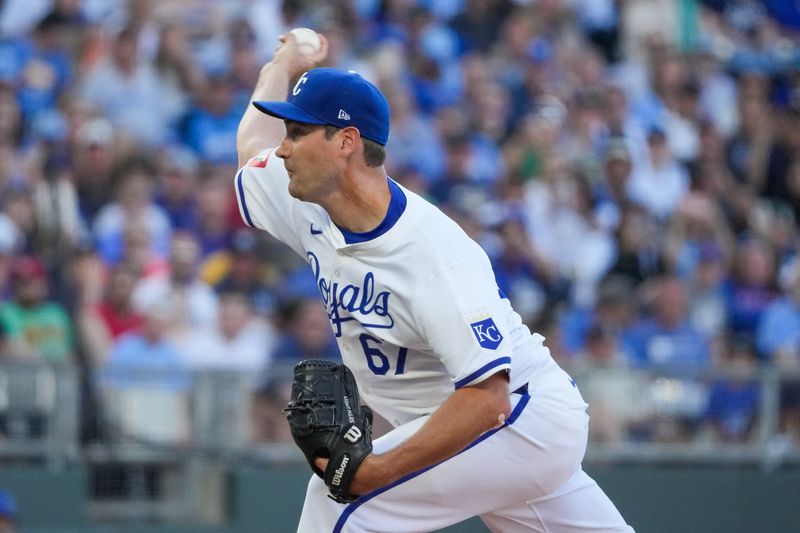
[(308, 41)]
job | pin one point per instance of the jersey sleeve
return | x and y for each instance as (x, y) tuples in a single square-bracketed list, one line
[(464, 322), (264, 202)]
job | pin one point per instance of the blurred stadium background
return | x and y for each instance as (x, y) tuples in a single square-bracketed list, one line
[(632, 167)]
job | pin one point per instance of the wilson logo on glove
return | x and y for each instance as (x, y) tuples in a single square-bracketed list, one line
[(339, 472), (353, 434)]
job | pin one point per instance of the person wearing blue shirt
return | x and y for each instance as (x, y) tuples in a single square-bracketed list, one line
[(210, 129), (778, 331), (750, 290), (46, 69), (733, 402), (147, 358), (667, 338)]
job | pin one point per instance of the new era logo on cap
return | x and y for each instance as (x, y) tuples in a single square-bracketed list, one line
[(321, 95)]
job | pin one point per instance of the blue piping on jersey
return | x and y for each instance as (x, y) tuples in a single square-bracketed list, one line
[(397, 204), (240, 190), (350, 509), (502, 294), (482, 370)]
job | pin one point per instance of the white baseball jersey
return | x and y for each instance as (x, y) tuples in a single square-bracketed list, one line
[(414, 304), (417, 313)]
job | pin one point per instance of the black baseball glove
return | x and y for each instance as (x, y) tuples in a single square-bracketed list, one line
[(327, 420)]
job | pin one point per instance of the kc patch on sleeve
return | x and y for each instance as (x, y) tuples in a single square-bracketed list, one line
[(486, 332)]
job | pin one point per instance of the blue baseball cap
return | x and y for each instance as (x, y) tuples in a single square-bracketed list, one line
[(337, 98)]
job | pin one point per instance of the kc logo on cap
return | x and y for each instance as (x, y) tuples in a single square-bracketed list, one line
[(298, 85), (335, 97)]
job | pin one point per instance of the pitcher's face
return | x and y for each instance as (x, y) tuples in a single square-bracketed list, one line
[(310, 160)]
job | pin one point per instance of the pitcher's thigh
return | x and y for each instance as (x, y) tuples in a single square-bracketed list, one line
[(580, 506), (491, 475), (426, 501)]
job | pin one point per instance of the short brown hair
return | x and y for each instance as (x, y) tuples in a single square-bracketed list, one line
[(374, 153)]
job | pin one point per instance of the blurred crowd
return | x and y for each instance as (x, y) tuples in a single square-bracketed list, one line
[(631, 167)]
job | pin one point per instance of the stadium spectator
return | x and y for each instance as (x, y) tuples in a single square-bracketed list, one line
[(134, 204), (613, 311), (103, 322), (22, 214), (33, 326), (213, 212), (414, 140), (146, 357), (521, 273), (307, 333), (707, 310), (623, 125), (600, 22), (93, 163), (609, 387), (661, 181), (176, 191), (210, 127), (666, 338), (778, 331), (747, 151), (561, 225), (585, 132), (127, 90), (639, 254), (697, 222), (611, 192), (479, 23), (145, 385), (733, 402), (139, 254), (194, 302), (46, 68), (180, 76), (239, 342), (752, 286), (458, 185), (241, 269), (712, 177), (58, 222)]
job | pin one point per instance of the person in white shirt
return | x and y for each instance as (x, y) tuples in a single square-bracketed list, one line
[(195, 302), (486, 423), (240, 341)]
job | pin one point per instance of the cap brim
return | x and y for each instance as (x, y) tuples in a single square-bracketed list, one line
[(287, 111)]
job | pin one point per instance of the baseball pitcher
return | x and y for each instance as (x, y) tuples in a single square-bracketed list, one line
[(485, 422)]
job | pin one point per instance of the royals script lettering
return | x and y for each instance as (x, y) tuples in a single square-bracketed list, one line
[(345, 302)]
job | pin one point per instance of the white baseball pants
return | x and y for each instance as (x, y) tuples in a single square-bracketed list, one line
[(524, 477)]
